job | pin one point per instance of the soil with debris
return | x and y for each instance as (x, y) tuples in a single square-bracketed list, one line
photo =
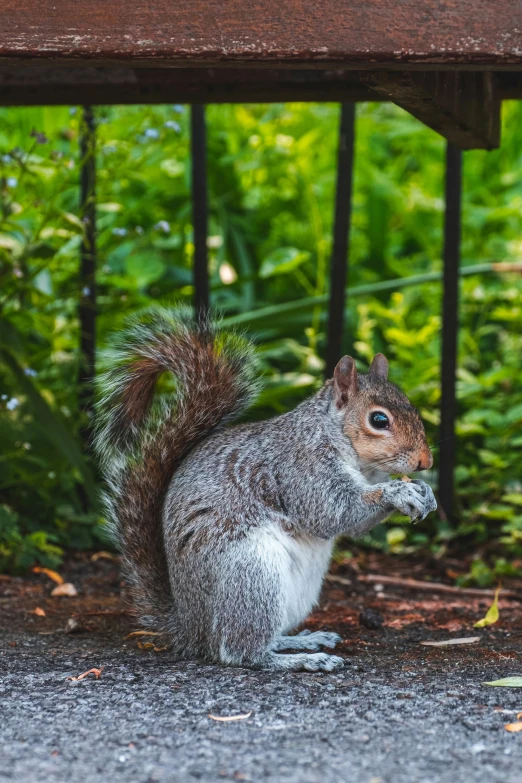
[(400, 711)]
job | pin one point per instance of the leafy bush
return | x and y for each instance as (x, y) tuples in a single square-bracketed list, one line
[(271, 185)]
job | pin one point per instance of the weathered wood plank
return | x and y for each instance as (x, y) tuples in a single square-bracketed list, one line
[(509, 85), (399, 33), (52, 85), (462, 107)]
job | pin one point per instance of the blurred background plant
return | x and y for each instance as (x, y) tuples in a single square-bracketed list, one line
[(271, 187)]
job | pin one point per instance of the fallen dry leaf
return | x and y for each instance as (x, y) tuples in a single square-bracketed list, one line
[(447, 642), (492, 614), (514, 727), (141, 633), (407, 619), (452, 626), (507, 682), (103, 556), (51, 574), (150, 646), (229, 718), (39, 611), (64, 589), (451, 574), (96, 673)]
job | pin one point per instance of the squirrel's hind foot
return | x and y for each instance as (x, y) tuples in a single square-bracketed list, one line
[(307, 640), (301, 662)]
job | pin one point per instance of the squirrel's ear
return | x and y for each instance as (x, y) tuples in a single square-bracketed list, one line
[(379, 367), (345, 380)]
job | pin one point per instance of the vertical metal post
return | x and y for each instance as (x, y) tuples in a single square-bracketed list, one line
[(450, 325), (87, 306), (199, 208), (341, 232)]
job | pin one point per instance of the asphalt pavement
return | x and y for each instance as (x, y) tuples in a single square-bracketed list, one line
[(146, 718)]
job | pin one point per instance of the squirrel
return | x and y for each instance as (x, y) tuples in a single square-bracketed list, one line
[(226, 533)]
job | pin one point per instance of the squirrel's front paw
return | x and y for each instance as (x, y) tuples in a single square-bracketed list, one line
[(430, 504), (415, 498)]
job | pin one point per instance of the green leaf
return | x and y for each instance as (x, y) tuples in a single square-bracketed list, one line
[(514, 414), (52, 425), (491, 459), (245, 265), (110, 206), (74, 220), (172, 167), (43, 282), (513, 497), (282, 261), (507, 682), (40, 250), (70, 246), (492, 615), (12, 244), (145, 268), (395, 536)]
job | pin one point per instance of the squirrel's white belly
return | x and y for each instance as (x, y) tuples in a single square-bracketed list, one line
[(302, 563)]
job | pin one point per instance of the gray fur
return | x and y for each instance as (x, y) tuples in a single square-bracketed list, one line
[(271, 497), (306, 640), (249, 521)]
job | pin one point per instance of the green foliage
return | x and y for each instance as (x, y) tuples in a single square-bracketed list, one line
[(19, 550), (271, 187), (484, 575)]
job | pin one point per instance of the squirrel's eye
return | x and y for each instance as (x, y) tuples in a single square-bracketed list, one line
[(379, 420)]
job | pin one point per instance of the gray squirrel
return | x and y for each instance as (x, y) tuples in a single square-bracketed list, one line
[(226, 533)]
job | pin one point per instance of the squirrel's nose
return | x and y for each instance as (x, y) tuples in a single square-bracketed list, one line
[(426, 460)]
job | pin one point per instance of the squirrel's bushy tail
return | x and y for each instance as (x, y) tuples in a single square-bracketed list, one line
[(141, 436)]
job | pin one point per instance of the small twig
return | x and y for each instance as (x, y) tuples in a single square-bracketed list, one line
[(340, 580), (433, 587)]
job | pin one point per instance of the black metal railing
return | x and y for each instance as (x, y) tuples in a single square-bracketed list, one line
[(450, 327), (338, 267), (199, 208), (87, 277), (341, 237)]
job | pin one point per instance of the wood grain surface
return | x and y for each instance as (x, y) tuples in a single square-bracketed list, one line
[(51, 84), (355, 33), (463, 107)]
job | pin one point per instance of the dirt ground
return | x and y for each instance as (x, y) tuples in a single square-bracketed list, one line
[(400, 711)]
